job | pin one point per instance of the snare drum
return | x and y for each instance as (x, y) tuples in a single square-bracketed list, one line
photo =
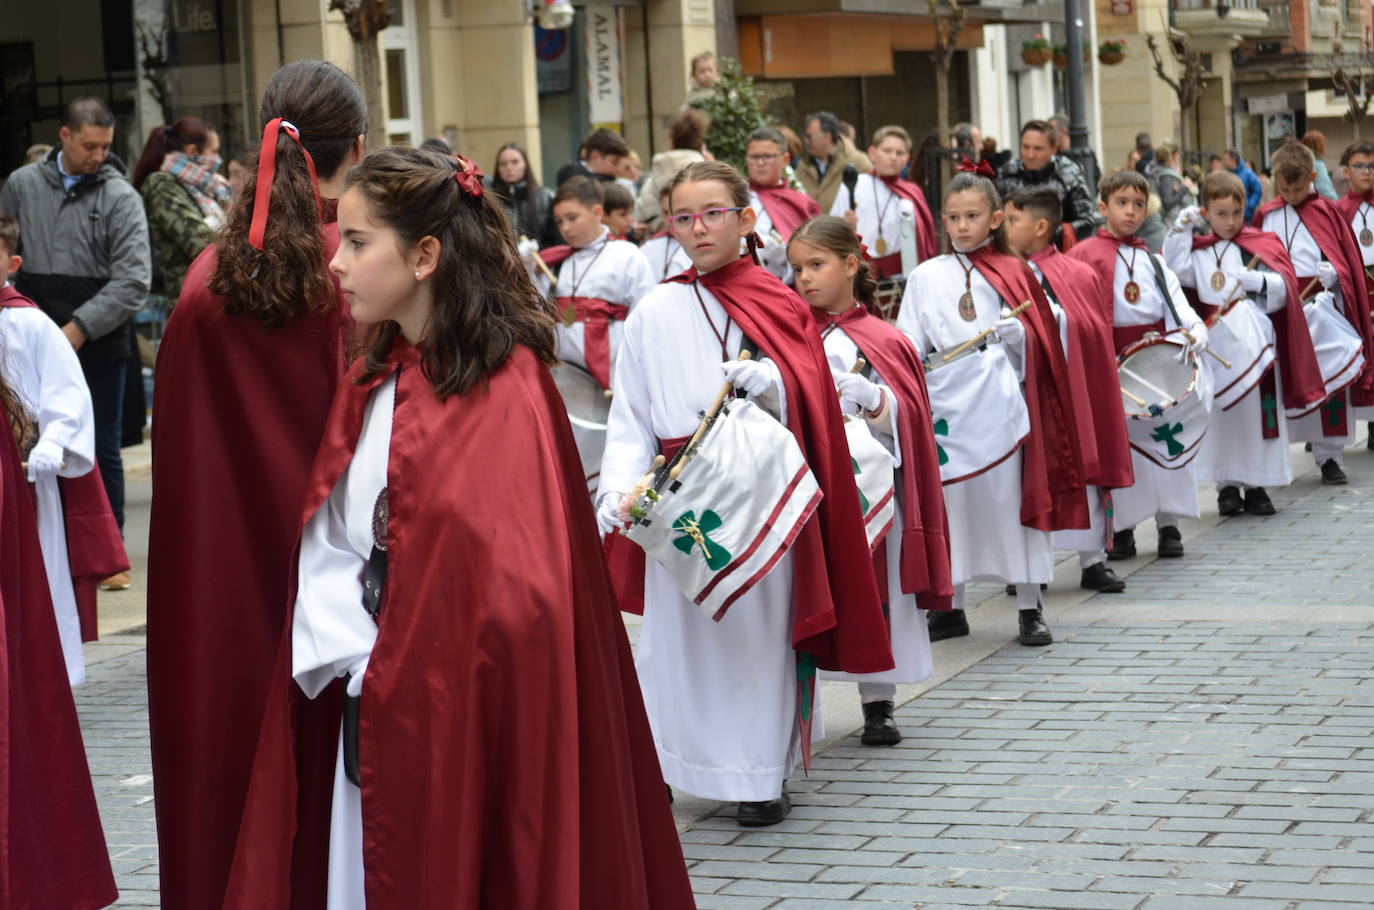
[(588, 410), (1176, 392), (1245, 338), (876, 479), (978, 409), (1340, 351), (735, 510)]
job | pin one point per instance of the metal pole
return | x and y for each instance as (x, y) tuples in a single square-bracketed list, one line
[(1080, 151)]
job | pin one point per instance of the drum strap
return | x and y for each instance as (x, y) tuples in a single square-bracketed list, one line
[(1164, 289)]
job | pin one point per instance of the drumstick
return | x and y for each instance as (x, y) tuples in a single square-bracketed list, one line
[(706, 422), (859, 366), (1140, 401), (950, 355), (544, 267), (1310, 285)]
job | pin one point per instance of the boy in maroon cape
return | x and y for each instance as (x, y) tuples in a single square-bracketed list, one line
[(875, 206), (493, 752), (1357, 163), (1033, 218), (780, 209), (1324, 249), (246, 371), (1139, 294), (52, 850), (731, 701)]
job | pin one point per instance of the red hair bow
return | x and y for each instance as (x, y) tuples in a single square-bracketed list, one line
[(468, 176), (267, 170), (863, 252), (982, 168)]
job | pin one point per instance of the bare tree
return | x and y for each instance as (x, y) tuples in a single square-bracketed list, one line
[(949, 22), (1188, 86), (1356, 83), (365, 19), (152, 46)]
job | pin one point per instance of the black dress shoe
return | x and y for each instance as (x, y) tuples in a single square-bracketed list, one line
[(1369, 441), (944, 624), (670, 793), (1332, 475), (880, 729), (1034, 632), (1100, 578), (768, 812), (1229, 501), (1170, 542), (1011, 589), (1123, 545), (1257, 502)]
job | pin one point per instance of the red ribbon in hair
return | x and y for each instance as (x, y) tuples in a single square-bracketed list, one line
[(468, 176), (982, 168), (863, 252), (267, 169)]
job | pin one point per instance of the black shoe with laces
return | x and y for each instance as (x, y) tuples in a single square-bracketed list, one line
[(880, 728), (1100, 578), (1257, 502), (1332, 475), (1123, 545), (944, 624), (1229, 501), (1034, 632), (1170, 542)]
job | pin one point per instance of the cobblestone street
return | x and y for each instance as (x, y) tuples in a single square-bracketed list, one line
[(1202, 742)]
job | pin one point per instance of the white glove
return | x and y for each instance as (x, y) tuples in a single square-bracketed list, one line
[(858, 393), (1251, 281), (608, 512), (755, 377), (1200, 340), (527, 249), (1188, 219), (1012, 333), (45, 458), (1323, 298), (1326, 274)]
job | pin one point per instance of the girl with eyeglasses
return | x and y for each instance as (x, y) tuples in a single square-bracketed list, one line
[(730, 701)]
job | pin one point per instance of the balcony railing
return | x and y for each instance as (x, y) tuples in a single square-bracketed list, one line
[(1218, 5)]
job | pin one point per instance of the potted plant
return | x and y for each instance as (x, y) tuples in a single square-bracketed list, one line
[(1111, 52), (1036, 51)]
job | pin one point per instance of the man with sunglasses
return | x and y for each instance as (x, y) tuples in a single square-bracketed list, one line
[(780, 209), (1357, 162)]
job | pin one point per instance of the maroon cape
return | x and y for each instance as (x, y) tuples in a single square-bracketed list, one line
[(1053, 491), (95, 549), (926, 247), (1331, 230), (505, 756), (925, 569), (1099, 252), (52, 849), (1092, 370), (1350, 203), (787, 208), (240, 411), (1302, 378), (837, 616)]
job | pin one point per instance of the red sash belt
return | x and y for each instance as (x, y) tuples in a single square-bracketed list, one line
[(889, 266), (1124, 336), (596, 315)]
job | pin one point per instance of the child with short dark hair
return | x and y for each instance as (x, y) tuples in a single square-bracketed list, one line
[(1324, 248), (1141, 295), (618, 205)]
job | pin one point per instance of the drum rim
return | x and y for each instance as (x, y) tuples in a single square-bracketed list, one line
[(1148, 341)]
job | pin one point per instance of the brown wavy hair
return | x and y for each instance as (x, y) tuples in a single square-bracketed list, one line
[(484, 301), (826, 232), (287, 277), (16, 416), (701, 172)]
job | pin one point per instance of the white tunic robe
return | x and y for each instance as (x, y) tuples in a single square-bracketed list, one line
[(665, 256), (909, 634), (1234, 451), (611, 270), (879, 212), (721, 696), (1157, 491), (773, 253), (40, 365), (331, 634), (987, 541)]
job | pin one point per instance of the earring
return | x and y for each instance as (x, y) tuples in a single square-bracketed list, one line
[(417, 276)]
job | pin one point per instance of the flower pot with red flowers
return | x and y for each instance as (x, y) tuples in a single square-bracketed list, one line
[(1036, 51), (1110, 53)]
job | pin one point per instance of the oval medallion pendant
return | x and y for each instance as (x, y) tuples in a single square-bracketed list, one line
[(967, 311)]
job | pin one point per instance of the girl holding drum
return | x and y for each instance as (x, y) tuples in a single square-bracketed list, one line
[(889, 393), (1000, 395)]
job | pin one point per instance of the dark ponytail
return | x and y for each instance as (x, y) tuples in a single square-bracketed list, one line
[(171, 138), (826, 232)]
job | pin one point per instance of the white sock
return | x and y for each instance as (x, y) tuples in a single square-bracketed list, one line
[(871, 692), (958, 597), (1089, 558), (1027, 595)]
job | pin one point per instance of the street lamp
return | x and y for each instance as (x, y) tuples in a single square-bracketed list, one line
[(554, 14)]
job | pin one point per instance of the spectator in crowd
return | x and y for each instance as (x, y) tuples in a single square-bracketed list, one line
[(794, 145), (966, 136), (618, 212), (1254, 192), (1039, 165), (1214, 164), (529, 206), (238, 168), (991, 155), (1062, 140), (631, 175), (1167, 182), (1316, 141), (702, 79), (598, 158), (1145, 153), (184, 195), (86, 264), (36, 152), (847, 131), (687, 136), (821, 171), (437, 144)]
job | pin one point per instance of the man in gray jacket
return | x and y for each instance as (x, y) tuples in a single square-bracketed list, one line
[(1040, 166), (84, 237)]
